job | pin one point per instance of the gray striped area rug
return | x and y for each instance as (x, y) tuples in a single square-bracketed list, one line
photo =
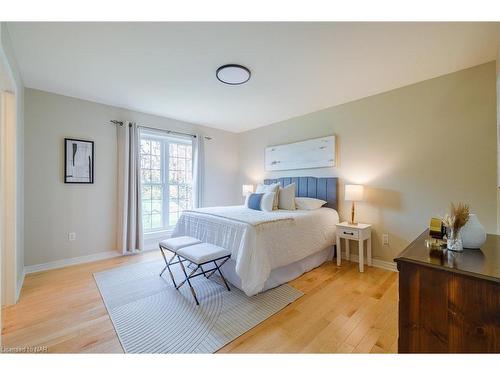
[(150, 316)]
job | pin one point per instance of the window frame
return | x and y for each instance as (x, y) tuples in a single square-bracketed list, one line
[(165, 142)]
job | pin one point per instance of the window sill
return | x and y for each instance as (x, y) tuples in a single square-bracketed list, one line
[(151, 239), (158, 234)]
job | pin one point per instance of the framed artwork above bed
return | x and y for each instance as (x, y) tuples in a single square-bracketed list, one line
[(312, 153), (78, 161)]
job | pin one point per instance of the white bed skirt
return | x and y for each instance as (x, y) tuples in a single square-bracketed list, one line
[(282, 274)]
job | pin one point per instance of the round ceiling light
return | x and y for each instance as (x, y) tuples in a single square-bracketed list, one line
[(233, 74)]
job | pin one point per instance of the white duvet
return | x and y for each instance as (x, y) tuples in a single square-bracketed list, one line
[(260, 241)]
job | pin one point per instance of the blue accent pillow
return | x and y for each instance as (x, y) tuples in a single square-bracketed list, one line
[(254, 201)]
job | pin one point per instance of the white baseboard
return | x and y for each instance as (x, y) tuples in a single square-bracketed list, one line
[(71, 261), (390, 266), (19, 285)]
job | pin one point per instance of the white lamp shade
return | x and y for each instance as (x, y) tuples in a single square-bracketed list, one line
[(246, 190), (354, 193)]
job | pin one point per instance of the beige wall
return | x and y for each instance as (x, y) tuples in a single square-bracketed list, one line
[(53, 208), (415, 148)]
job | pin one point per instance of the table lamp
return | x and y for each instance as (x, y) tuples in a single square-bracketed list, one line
[(353, 193), (246, 190)]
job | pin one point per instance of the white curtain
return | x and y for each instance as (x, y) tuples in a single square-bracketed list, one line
[(198, 170), (130, 238)]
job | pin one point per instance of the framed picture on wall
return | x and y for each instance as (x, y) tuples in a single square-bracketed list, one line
[(78, 161)]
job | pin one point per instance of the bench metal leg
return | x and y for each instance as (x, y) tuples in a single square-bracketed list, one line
[(188, 281), (165, 259), (167, 266), (221, 275), (220, 265), (203, 271)]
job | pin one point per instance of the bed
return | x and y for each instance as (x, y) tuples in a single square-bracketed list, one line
[(269, 248)]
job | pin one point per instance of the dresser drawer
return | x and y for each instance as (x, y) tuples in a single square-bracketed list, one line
[(348, 233)]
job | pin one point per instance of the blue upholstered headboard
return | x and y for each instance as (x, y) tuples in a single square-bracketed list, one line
[(313, 187)]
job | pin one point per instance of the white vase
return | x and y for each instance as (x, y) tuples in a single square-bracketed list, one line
[(473, 233)]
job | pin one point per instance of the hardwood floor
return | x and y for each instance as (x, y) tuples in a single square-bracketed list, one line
[(342, 311)]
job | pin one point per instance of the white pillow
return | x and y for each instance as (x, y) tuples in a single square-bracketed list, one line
[(272, 188), (286, 197), (304, 203), (267, 202)]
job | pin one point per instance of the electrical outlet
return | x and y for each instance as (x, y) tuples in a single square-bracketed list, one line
[(71, 236), (385, 239)]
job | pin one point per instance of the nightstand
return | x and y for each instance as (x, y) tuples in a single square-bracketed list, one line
[(356, 232)]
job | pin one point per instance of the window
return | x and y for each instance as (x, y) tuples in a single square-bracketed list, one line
[(166, 178)]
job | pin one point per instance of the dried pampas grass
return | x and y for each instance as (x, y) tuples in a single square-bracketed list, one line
[(457, 218), (461, 213)]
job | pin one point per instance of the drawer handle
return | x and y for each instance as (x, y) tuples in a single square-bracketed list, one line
[(349, 233)]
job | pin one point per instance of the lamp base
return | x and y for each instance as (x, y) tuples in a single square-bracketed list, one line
[(352, 222)]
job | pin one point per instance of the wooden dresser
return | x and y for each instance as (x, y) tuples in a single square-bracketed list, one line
[(449, 302)]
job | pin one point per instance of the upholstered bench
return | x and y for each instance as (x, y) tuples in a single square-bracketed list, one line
[(173, 245), (201, 254)]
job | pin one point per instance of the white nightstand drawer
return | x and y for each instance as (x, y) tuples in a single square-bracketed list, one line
[(348, 233)]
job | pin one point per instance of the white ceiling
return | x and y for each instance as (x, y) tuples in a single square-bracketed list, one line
[(168, 69)]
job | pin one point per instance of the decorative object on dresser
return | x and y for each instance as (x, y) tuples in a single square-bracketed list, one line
[(454, 222), (473, 233), (449, 302), (353, 193), (356, 232), (78, 161), (437, 228), (313, 153)]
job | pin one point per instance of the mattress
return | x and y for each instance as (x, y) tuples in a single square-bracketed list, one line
[(261, 242)]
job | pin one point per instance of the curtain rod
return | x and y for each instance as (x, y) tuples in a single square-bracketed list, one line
[(120, 123)]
